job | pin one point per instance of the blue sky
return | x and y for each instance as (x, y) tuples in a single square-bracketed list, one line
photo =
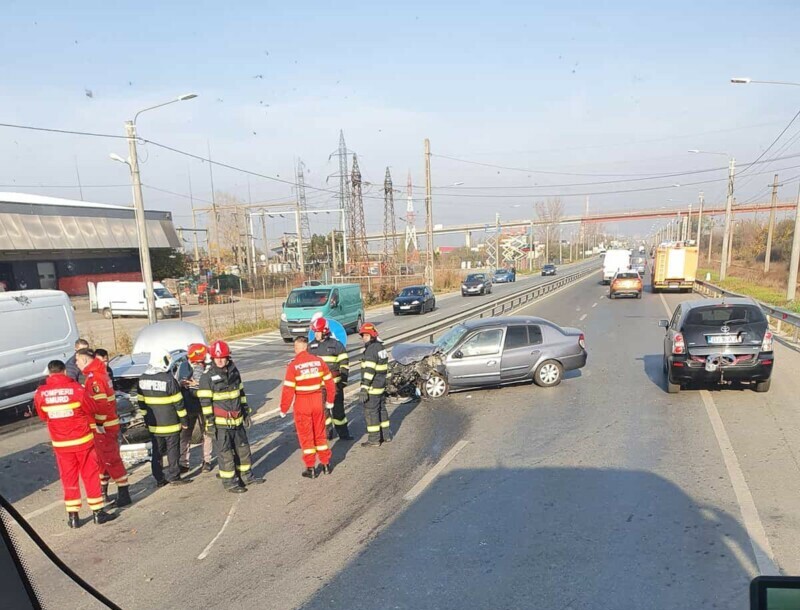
[(583, 88)]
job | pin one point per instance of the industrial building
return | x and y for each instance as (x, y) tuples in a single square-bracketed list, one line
[(48, 242)]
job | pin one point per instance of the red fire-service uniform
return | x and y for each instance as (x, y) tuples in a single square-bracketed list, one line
[(98, 387), (62, 404), (305, 376)]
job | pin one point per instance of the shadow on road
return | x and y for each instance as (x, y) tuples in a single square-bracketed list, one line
[(654, 369), (549, 538)]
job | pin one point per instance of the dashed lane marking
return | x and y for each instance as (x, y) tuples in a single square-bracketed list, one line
[(594, 305), (434, 472), (762, 550), (583, 317)]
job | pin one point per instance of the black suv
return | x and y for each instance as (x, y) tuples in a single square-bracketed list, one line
[(718, 341)]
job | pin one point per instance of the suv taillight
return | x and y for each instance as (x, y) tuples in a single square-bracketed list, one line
[(766, 344), (582, 341), (678, 345)]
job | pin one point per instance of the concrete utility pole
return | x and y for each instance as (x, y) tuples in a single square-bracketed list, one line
[(429, 271), (301, 259), (730, 243), (264, 237), (194, 224), (710, 239), (791, 289), (768, 252), (547, 244), (141, 224), (727, 244), (700, 221), (214, 213)]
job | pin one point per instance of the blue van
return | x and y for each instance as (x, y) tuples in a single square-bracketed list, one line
[(341, 302)]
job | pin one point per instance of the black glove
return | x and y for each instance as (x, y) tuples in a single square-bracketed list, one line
[(363, 395)]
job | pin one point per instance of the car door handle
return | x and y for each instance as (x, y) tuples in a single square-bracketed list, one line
[(491, 363)]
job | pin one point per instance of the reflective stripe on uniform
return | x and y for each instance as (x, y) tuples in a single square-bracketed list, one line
[(69, 405), (308, 388), (208, 410), (72, 502), (309, 451), (368, 376), (326, 376), (328, 421), (142, 412), (231, 395), (339, 422), (316, 375), (381, 367), (384, 424), (243, 400), (204, 393), (373, 428), (181, 412), (110, 422), (337, 379), (100, 417), (74, 509), (227, 474), (289, 384), (343, 356), (162, 400), (243, 467), (95, 503), (329, 358), (78, 441), (322, 447), (229, 421), (370, 363), (171, 429)]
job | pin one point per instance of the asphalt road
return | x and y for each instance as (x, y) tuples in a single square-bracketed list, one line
[(604, 492)]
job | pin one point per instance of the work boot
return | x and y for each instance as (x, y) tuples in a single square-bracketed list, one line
[(72, 521), (309, 473), (387, 437), (251, 480), (236, 489), (104, 492), (100, 516), (326, 469), (370, 444), (162, 483), (184, 469), (123, 496), (206, 467), (180, 481)]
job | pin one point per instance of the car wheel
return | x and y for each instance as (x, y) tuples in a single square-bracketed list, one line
[(672, 388), (763, 386), (435, 386), (159, 314), (107, 314), (548, 374), (611, 295), (359, 323), (397, 313)]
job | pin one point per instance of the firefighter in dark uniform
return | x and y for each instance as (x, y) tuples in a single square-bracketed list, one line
[(334, 354), (161, 404), (225, 409), (374, 378)]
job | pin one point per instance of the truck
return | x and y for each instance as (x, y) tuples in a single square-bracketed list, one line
[(674, 267), (114, 299), (615, 260)]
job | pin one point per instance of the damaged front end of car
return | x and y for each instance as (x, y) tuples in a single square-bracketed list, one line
[(412, 366)]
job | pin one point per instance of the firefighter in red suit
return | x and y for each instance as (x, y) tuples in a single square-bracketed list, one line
[(305, 377), (106, 429), (63, 405)]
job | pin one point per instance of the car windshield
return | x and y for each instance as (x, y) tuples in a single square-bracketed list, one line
[(549, 266), (412, 292), (717, 315), (308, 298), (162, 293), (448, 340), (476, 277)]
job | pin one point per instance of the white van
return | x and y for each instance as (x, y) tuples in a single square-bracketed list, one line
[(37, 326), (114, 299), (615, 260)]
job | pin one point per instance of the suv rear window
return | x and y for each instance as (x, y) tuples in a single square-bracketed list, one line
[(716, 315)]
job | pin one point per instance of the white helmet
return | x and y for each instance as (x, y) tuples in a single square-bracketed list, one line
[(160, 359)]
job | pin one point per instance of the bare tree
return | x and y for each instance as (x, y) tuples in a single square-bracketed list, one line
[(550, 213), (232, 224)]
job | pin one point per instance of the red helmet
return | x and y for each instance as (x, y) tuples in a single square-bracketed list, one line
[(197, 352), (320, 325), (368, 329), (220, 349)]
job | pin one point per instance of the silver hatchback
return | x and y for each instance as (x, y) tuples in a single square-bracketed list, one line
[(495, 351)]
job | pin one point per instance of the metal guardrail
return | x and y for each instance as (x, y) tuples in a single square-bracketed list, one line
[(776, 316), (497, 307)]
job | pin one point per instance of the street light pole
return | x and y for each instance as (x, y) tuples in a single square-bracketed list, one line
[(429, 273)]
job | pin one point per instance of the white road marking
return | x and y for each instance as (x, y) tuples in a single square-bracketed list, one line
[(231, 513), (266, 415), (44, 509), (595, 305), (762, 550), (583, 317), (434, 472)]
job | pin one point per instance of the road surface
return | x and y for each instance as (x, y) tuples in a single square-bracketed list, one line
[(604, 492)]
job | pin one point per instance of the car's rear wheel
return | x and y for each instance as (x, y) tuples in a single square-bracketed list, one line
[(548, 374), (672, 388), (107, 314), (763, 386), (435, 386)]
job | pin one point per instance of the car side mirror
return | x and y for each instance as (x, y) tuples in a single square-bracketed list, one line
[(458, 354), (663, 323), (283, 304)]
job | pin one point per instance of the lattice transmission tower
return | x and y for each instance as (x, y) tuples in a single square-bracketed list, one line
[(389, 223)]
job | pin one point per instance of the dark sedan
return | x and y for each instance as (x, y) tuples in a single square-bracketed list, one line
[(549, 270), (718, 341), (476, 283), (414, 299)]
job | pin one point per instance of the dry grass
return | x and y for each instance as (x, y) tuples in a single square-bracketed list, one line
[(765, 288)]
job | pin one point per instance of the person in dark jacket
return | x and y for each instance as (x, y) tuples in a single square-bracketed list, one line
[(226, 411), (374, 378), (73, 372), (161, 404), (198, 357)]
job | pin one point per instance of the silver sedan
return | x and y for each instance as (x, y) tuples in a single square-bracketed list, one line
[(492, 352)]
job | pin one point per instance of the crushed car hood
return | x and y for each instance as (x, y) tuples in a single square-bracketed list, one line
[(408, 353)]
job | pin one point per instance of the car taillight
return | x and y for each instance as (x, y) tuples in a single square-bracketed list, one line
[(678, 345), (766, 344), (582, 341)]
